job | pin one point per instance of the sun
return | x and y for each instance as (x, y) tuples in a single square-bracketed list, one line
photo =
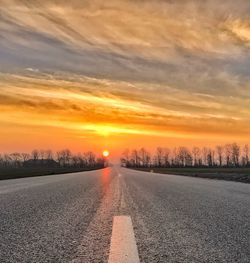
[(105, 153)]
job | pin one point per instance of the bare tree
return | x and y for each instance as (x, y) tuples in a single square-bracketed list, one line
[(246, 154), (125, 157), (59, 158), (42, 154), (235, 154), (144, 156), (196, 155), (204, 155), (166, 157), (159, 156), (174, 160), (25, 157), (209, 157), (219, 150), (35, 155), (1, 160), (82, 160), (48, 155), (148, 159), (6, 160), (16, 159), (64, 157), (90, 157), (135, 158), (75, 161), (184, 157), (67, 155), (228, 154)]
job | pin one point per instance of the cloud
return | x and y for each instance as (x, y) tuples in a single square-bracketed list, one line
[(80, 102), (167, 66), (125, 38)]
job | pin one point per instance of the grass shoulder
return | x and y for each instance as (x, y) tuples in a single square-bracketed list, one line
[(21, 172), (241, 174)]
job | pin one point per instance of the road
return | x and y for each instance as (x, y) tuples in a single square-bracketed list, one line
[(69, 218)]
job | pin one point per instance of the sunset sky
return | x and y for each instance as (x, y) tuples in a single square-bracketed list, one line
[(96, 74)]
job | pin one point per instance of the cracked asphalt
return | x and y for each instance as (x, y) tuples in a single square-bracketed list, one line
[(68, 218)]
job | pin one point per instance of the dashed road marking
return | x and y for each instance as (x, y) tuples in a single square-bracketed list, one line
[(123, 247)]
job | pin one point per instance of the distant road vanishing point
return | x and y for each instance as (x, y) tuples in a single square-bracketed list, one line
[(117, 214)]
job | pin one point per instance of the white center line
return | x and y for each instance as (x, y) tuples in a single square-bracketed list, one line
[(123, 247)]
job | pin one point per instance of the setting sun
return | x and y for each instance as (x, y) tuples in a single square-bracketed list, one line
[(105, 153)]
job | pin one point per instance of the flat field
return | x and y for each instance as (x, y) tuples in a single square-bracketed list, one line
[(13, 173), (220, 173)]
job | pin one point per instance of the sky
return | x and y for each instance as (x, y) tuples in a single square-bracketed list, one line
[(95, 74)]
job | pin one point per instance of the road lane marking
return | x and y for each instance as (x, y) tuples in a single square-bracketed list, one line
[(123, 247)]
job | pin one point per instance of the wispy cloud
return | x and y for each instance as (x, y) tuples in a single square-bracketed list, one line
[(155, 67), (118, 106)]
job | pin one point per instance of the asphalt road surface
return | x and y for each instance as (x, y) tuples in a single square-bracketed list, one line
[(69, 218)]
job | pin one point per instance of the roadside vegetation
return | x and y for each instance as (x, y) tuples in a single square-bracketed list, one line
[(45, 162), (227, 162)]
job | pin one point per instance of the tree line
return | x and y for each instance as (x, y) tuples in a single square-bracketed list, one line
[(229, 155), (63, 158)]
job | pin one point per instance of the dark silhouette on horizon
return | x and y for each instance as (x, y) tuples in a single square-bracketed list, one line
[(229, 155), (46, 158)]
